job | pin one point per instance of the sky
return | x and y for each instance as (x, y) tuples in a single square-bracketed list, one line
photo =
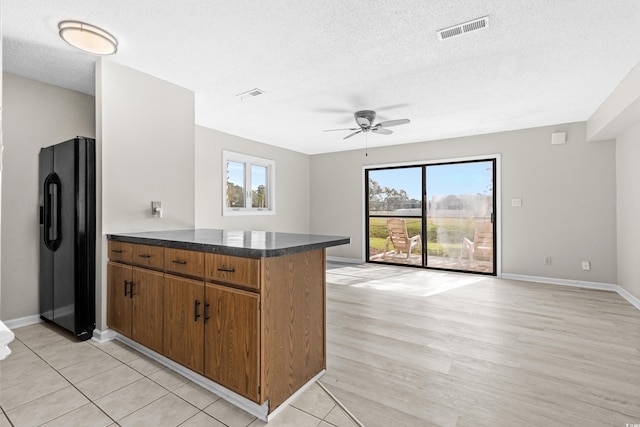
[(458, 178), (235, 174)]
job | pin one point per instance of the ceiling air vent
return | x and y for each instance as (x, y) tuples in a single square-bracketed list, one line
[(464, 28), (250, 93)]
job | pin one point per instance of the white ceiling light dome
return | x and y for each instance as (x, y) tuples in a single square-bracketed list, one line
[(88, 38)]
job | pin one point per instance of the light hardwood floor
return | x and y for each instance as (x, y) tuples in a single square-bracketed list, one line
[(412, 347)]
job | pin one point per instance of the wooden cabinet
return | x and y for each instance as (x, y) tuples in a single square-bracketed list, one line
[(134, 303), (252, 325), (184, 317), (232, 339), (213, 332), (189, 263), (120, 251), (146, 296), (119, 276), (235, 270), (148, 256)]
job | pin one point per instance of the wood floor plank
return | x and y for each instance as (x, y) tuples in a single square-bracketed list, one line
[(482, 351)]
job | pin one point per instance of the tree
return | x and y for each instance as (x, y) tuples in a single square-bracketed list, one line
[(259, 197), (235, 195), (389, 199)]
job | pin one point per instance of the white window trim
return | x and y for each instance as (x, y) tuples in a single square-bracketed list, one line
[(231, 156)]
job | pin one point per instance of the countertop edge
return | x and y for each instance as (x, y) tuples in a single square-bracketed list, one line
[(231, 250)]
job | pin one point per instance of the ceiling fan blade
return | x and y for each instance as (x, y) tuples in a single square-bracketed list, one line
[(393, 122), (349, 136), (331, 130), (381, 130)]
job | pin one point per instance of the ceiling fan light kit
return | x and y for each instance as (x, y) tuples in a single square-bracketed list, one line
[(365, 119), (87, 37)]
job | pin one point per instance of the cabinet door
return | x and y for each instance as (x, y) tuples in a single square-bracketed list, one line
[(146, 317), (119, 279), (184, 322), (232, 339)]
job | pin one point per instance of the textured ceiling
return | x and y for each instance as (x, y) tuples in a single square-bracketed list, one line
[(539, 63)]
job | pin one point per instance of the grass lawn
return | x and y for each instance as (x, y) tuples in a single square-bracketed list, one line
[(444, 235)]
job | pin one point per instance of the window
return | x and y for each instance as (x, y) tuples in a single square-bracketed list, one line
[(248, 185)]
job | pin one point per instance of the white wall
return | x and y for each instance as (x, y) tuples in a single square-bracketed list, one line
[(292, 184), (568, 197), (146, 137), (619, 117), (1, 161), (36, 115), (628, 190)]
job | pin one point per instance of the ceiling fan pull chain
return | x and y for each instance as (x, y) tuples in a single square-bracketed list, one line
[(366, 144)]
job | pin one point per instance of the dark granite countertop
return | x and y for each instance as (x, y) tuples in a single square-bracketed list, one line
[(252, 244)]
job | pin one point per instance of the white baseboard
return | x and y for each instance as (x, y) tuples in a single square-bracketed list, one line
[(103, 336), (629, 297), (260, 411), (23, 321), (294, 396), (345, 260), (579, 284)]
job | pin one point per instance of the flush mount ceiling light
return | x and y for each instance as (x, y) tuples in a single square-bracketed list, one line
[(88, 37)]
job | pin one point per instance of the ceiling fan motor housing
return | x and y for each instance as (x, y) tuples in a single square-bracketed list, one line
[(365, 118)]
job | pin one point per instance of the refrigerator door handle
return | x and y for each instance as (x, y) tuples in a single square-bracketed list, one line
[(53, 190), (52, 212)]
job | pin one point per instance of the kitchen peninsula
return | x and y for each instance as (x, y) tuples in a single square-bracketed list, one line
[(243, 311)]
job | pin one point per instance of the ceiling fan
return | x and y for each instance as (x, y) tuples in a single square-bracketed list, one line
[(365, 119)]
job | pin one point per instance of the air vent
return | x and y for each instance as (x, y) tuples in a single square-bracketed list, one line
[(250, 93), (464, 28)]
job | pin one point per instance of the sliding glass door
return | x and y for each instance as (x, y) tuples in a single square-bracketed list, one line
[(395, 215), (436, 215)]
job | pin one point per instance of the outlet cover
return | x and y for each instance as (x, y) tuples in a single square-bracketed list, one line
[(586, 265), (516, 202), (546, 260)]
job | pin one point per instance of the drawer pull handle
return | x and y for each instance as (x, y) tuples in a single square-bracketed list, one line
[(227, 270), (196, 304), (206, 316), (177, 261), (144, 256), (116, 251)]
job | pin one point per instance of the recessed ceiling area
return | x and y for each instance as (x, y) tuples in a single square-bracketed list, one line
[(536, 64)]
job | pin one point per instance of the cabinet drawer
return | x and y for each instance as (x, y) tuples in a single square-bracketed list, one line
[(120, 251), (189, 263), (232, 269), (148, 256)]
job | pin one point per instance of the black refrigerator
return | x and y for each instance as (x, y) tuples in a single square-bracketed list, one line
[(68, 235)]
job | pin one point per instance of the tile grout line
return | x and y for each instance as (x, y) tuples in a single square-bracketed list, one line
[(67, 380), (346, 411), (4, 414)]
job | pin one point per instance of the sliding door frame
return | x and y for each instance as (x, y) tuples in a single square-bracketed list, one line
[(497, 208)]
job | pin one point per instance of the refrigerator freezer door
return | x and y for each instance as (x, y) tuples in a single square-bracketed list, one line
[(64, 258)]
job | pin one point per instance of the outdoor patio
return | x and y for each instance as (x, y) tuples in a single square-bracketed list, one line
[(450, 263)]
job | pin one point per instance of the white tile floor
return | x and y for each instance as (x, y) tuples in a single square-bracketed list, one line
[(50, 379)]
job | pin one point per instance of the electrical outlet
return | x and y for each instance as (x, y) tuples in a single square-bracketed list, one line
[(586, 265), (546, 260), (516, 202)]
